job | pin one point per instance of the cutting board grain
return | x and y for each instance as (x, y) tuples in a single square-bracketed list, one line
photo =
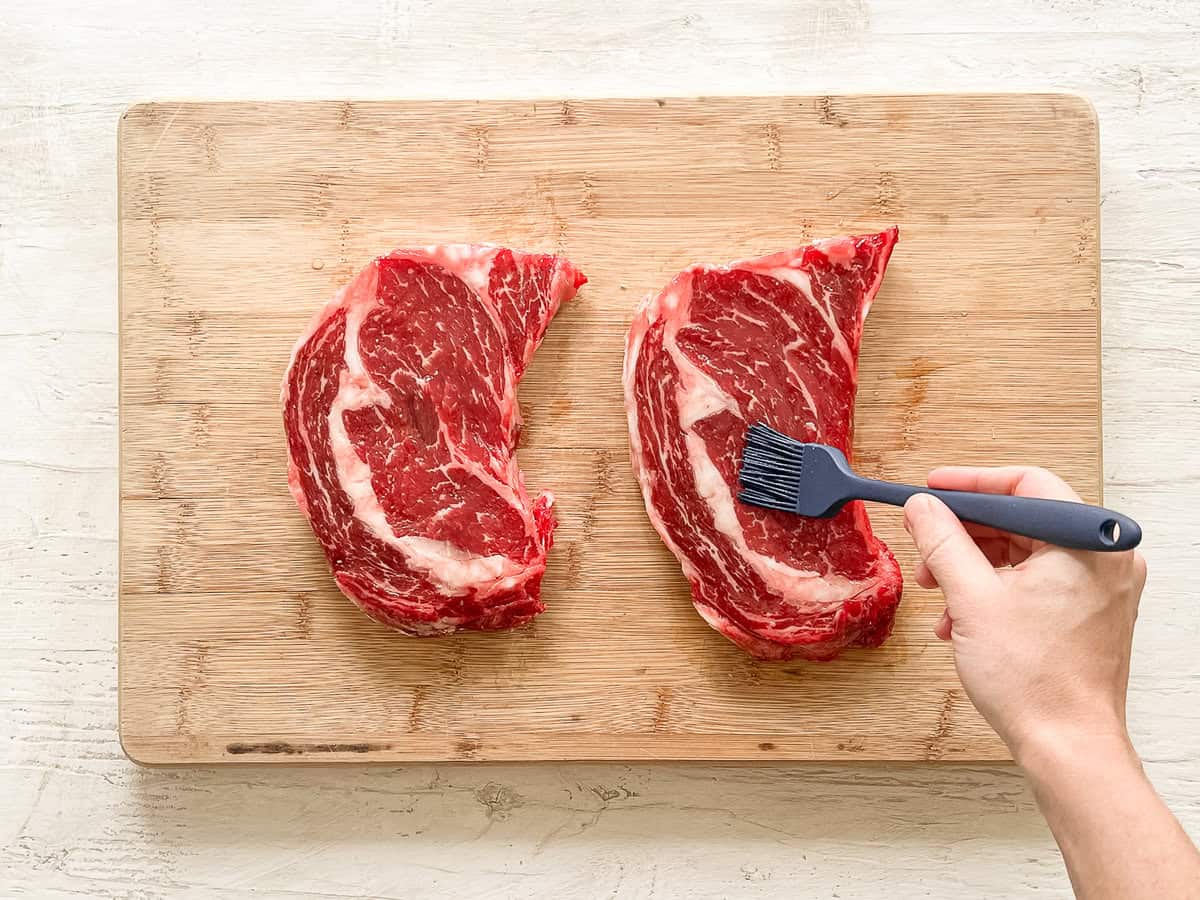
[(237, 220)]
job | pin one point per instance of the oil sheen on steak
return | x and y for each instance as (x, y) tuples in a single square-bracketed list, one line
[(772, 339), (401, 414)]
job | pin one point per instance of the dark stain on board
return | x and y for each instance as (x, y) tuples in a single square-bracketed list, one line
[(829, 114), (774, 148), (467, 747), (935, 745), (285, 748), (662, 708)]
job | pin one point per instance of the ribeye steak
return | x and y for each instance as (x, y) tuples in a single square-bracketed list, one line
[(401, 415), (773, 339)]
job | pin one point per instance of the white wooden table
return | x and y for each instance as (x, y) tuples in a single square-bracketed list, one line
[(76, 819)]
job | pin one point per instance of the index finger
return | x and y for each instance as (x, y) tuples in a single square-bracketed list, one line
[(1018, 481)]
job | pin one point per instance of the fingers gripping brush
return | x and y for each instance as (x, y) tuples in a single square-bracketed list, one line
[(779, 472)]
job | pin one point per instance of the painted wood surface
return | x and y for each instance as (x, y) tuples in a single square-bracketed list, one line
[(79, 820), (237, 221)]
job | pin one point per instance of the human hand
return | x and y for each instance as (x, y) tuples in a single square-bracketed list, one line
[(1041, 634)]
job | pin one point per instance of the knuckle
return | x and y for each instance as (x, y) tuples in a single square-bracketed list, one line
[(939, 547), (1041, 482), (1130, 565)]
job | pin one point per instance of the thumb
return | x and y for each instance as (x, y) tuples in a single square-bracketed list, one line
[(947, 550)]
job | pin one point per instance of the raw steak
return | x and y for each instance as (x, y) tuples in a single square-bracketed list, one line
[(772, 339), (400, 406)]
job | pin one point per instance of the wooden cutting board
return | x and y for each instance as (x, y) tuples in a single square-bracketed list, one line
[(237, 220)]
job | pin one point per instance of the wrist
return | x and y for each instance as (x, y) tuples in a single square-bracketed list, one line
[(1052, 750)]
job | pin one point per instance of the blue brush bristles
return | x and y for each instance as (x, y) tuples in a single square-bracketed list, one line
[(772, 464)]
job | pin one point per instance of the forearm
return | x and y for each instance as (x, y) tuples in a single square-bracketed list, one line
[(1118, 838)]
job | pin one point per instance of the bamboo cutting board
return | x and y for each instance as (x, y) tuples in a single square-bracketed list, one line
[(237, 220)]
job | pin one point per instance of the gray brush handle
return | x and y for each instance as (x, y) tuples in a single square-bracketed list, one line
[(1062, 522)]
